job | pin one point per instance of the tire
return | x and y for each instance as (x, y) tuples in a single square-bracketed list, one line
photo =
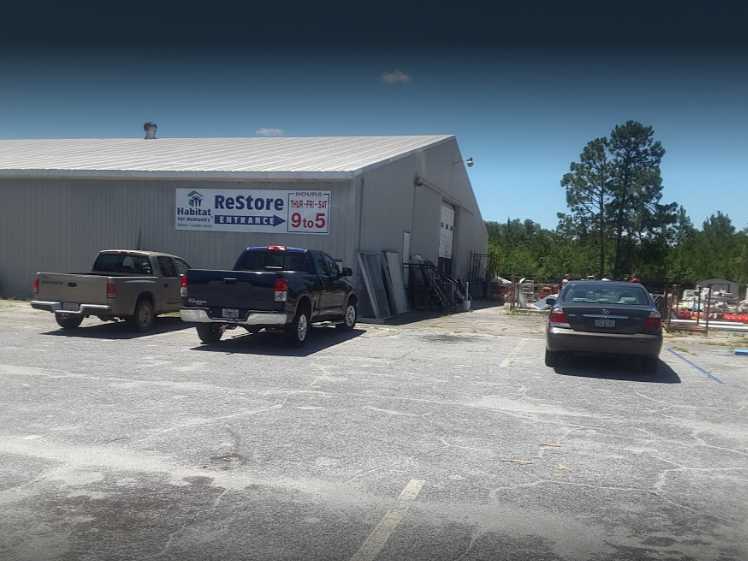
[(142, 319), (350, 317), (68, 321), (210, 332), (297, 332), (650, 365), (551, 358)]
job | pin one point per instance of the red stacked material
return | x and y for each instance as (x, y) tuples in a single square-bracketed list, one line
[(742, 318)]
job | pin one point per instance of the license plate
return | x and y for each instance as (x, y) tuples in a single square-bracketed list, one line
[(230, 313), (608, 323), (70, 306)]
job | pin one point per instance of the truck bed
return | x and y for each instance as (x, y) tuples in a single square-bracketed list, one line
[(81, 288)]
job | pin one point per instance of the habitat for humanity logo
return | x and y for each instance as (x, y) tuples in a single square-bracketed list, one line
[(194, 199), (193, 208)]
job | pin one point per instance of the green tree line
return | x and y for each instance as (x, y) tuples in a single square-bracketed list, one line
[(617, 223)]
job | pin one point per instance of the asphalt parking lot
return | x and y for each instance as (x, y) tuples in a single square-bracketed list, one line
[(445, 439)]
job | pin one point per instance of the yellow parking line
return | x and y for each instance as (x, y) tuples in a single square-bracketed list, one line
[(379, 536), (513, 353)]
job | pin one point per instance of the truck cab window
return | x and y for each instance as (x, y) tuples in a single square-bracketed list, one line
[(142, 265), (320, 264), (167, 267), (331, 266), (123, 263), (295, 262), (264, 260), (181, 266)]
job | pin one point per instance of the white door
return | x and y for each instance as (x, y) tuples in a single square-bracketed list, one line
[(446, 231)]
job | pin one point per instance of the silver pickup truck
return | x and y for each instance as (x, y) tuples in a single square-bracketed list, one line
[(128, 285)]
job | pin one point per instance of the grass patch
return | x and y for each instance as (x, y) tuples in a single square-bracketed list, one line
[(528, 312), (736, 342), (11, 303)]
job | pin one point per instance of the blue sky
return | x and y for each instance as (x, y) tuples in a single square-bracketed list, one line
[(522, 114)]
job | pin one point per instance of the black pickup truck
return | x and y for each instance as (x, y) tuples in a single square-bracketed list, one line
[(274, 287)]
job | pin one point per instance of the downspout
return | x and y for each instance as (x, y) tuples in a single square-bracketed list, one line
[(360, 216), (412, 214)]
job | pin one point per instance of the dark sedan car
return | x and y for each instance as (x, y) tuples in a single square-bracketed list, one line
[(618, 318)]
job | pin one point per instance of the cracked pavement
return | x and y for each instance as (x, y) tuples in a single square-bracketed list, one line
[(120, 446)]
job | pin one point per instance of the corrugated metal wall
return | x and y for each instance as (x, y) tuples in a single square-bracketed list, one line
[(60, 225), (393, 204)]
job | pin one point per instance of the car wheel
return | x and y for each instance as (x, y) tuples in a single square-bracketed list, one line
[(551, 358), (350, 317), (298, 330), (650, 365), (210, 333), (142, 319), (68, 321)]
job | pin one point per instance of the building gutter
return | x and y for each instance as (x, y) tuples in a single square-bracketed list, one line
[(421, 182)]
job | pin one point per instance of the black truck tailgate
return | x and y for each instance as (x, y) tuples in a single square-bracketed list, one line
[(241, 290)]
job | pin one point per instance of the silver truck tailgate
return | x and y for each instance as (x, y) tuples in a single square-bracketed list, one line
[(75, 288)]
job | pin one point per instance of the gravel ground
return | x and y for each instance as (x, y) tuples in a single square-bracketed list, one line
[(440, 439)]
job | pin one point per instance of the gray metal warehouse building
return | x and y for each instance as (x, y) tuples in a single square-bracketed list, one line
[(208, 198)]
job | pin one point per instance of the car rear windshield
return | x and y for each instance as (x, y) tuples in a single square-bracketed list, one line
[(264, 260), (606, 294), (122, 263)]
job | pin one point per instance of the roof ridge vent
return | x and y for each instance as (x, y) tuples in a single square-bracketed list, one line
[(150, 130)]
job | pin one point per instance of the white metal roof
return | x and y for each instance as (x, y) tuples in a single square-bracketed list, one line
[(256, 158)]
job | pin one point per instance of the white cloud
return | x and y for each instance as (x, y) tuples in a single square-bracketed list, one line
[(269, 132), (395, 77)]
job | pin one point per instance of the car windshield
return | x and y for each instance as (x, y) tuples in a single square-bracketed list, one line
[(606, 294), (263, 260)]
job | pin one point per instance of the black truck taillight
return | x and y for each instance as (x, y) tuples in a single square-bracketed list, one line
[(183, 285), (280, 290)]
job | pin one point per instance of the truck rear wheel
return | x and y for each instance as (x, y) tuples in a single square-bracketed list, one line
[(350, 317), (68, 321), (142, 319), (297, 331), (210, 333)]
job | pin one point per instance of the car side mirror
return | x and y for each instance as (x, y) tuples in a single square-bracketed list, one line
[(550, 302), (346, 272)]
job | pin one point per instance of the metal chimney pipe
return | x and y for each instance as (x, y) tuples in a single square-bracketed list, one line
[(150, 130)]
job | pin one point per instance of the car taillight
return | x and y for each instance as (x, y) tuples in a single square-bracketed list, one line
[(558, 318), (183, 285), (653, 322), (276, 248), (35, 286), (280, 290), (111, 289)]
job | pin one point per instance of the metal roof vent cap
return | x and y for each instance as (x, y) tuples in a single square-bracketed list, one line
[(150, 130)]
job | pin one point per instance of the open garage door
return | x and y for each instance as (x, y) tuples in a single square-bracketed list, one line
[(446, 238)]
